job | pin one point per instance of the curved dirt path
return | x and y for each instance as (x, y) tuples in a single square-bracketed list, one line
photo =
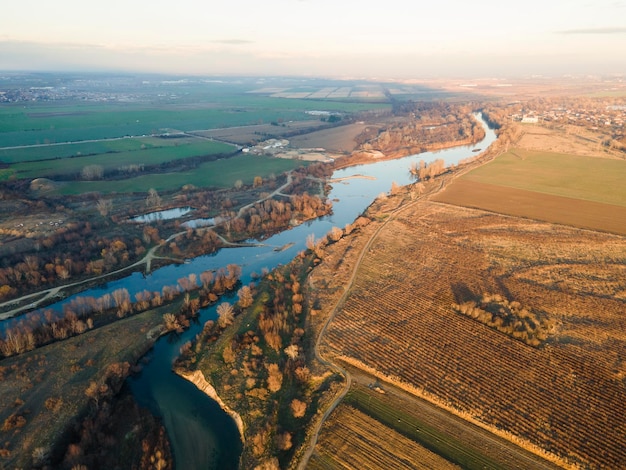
[(337, 307), (445, 179)]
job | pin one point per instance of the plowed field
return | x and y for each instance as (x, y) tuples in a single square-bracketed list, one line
[(534, 205)]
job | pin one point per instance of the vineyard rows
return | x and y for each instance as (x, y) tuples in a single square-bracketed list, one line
[(563, 397)]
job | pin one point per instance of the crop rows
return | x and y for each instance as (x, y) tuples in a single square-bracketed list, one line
[(353, 439), (564, 398)]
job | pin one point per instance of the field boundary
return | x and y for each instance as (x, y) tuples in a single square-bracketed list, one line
[(579, 213)]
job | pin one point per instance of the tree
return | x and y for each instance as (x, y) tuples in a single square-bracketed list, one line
[(298, 408), (225, 314), (238, 184), (104, 206), (245, 296), (92, 172), (275, 378), (292, 351), (153, 199), (171, 322), (258, 181)]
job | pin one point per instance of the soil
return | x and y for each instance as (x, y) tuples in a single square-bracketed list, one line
[(336, 139), (399, 321), (528, 204)]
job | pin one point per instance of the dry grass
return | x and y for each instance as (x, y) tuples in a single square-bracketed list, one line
[(534, 205), (337, 139), (573, 140), (566, 398), (351, 439), (47, 385)]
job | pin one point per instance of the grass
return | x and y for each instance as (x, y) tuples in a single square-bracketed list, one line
[(77, 149), (113, 161), (44, 123), (216, 174), (410, 426), (577, 177), (63, 370)]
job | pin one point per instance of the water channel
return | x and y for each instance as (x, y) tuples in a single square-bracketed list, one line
[(202, 435)]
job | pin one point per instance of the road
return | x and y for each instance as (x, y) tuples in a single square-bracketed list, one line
[(318, 355)]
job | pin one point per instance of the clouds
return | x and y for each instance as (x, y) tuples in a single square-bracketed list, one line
[(322, 37)]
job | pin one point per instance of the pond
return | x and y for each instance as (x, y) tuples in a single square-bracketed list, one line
[(167, 214)]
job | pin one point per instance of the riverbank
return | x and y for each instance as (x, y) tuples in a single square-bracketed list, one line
[(50, 387), (197, 378)]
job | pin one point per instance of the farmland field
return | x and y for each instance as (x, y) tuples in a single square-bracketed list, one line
[(216, 174), (586, 192), (246, 134), (63, 167), (572, 176), (565, 397), (425, 436), (533, 205), (42, 123), (352, 439), (338, 139), (124, 132)]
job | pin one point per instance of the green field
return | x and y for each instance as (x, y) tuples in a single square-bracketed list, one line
[(217, 174), (412, 427), (112, 161), (119, 127), (43, 123), (577, 177), (77, 149)]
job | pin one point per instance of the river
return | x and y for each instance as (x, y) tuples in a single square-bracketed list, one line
[(202, 435)]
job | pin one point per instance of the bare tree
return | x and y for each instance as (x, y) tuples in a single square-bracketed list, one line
[(292, 351), (153, 199), (225, 314), (92, 172), (275, 378), (245, 296), (310, 241), (104, 206), (298, 408), (335, 234)]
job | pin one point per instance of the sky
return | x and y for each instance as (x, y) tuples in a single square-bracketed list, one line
[(331, 38)]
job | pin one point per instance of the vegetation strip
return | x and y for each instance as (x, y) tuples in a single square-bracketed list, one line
[(412, 427)]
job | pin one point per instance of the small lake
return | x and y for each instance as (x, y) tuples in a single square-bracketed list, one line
[(167, 214)]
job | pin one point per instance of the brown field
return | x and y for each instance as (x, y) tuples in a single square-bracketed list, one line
[(573, 140), (534, 205), (244, 135), (567, 397), (337, 139), (351, 439)]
